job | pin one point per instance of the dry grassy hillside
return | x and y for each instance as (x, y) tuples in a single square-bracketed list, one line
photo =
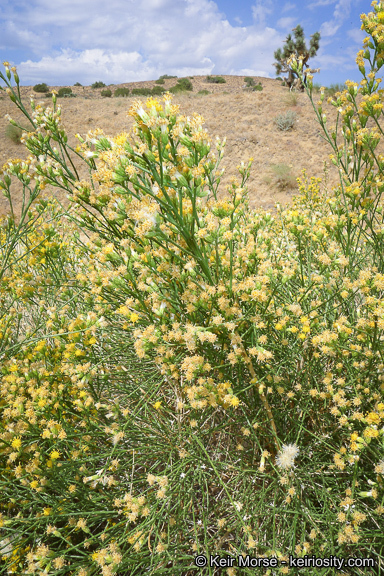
[(246, 118)]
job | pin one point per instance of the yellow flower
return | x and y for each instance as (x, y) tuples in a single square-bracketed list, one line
[(16, 443), (157, 405), (55, 454), (134, 317)]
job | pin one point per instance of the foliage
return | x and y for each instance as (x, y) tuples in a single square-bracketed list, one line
[(203, 92), (334, 88), (283, 177), (13, 133), (106, 93), (166, 77), (98, 84), (62, 92), (157, 90), (257, 88), (141, 91), (290, 99), (121, 92), (215, 80), (286, 120), (167, 353), (160, 81), (249, 81), (183, 84), (77, 84), (296, 47), (41, 88)]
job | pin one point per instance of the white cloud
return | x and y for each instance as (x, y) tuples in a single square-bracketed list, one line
[(286, 22), (357, 35), (129, 40), (288, 6), (260, 12), (321, 3), (340, 13)]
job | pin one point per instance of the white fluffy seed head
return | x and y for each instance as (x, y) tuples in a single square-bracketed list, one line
[(286, 457)]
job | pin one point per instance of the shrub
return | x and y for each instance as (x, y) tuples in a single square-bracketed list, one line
[(215, 80), (283, 176), (106, 93), (249, 81), (121, 92), (166, 77), (204, 92), (183, 84), (64, 92), (160, 81), (257, 88), (77, 84), (286, 120), (334, 88), (191, 352), (157, 91), (98, 85), (13, 133), (141, 92), (41, 88), (290, 99)]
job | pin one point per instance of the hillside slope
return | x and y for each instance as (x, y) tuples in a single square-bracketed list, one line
[(246, 118)]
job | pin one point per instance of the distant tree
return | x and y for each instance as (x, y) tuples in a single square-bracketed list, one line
[(296, 45)]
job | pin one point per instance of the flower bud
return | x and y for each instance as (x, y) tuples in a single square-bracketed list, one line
[(11, 94)]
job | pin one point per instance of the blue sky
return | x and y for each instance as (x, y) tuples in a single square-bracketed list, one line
[(117, 41)]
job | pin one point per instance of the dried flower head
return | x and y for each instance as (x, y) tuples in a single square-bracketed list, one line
[(286, 457)]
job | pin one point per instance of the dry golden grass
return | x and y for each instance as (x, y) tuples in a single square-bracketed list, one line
[(245, 118)]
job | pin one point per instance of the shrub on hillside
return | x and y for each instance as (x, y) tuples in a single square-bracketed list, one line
[(141, 92), (98, 84), (257, 88), (183, 84), (286, 120), (249, 81), (41, 88), (215, 80), (166, 77), (62, 92), (13, 133), (203, 92), (290, 99), (77, 84), (106, 93), (283, 176), (121, 92), (157, 91), (160, 81)]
